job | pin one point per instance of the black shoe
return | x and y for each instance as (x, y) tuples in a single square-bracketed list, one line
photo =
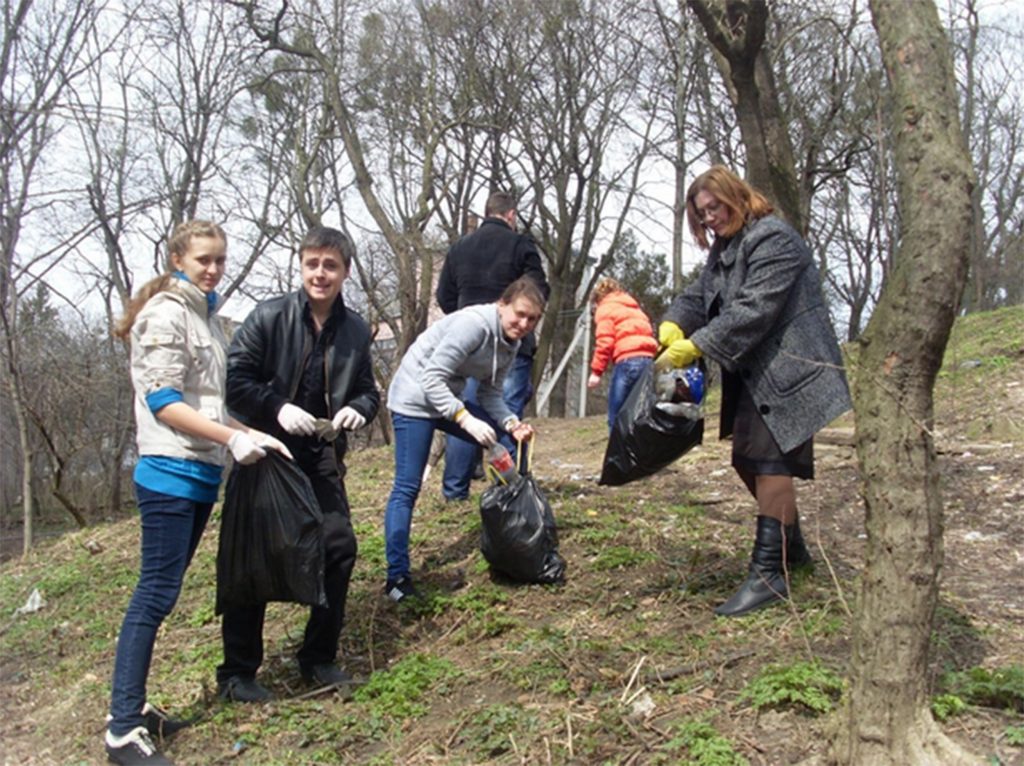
[(766, 582), (401, 589), (133, 748), (327, 674), (241, 689), (160, 725)]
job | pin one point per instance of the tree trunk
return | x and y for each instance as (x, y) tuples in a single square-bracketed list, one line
[(737, 31), (26, 462), (887, 718)]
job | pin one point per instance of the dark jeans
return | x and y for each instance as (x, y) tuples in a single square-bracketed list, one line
[(624, 377), (171, 528), (242, 628), (412, 448), (461, 457)]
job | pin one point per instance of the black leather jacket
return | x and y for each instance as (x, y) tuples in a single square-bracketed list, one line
[(268, 353)]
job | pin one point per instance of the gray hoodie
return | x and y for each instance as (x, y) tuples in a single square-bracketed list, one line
[(466, 344)]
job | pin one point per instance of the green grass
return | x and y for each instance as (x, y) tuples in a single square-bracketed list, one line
[(996, 688), (807, 685), (620, 557), (399, 691), (992, 338), (485, 663), (702, 745)]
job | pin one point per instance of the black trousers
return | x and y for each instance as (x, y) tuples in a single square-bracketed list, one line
[(242, 628)]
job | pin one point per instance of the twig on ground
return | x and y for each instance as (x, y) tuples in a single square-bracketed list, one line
[(632, 678), (454, 734), (831, 570), (660, 677), (568, 733), (369, 635)]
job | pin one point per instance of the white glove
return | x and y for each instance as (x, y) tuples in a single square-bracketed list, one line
[(348, 419), (243, 449), (266, 441), (478, 429), (296, 420)]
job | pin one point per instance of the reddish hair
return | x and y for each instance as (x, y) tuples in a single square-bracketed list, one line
[(745, 203)]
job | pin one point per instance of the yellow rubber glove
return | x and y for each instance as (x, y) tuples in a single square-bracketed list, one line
[(682, 353), (669, 333)]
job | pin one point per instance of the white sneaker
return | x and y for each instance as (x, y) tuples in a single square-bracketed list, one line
[(134, 748)]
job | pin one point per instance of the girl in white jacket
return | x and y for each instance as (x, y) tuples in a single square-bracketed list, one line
[(178, 363)]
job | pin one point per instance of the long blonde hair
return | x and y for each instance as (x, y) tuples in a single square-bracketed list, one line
[(743, 201), (177, 244)]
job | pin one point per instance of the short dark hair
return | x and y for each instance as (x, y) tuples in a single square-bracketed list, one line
[(326, 238), (499, 203), (524, 287)]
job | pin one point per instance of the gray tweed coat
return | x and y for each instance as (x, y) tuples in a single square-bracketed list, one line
[(758, 310)]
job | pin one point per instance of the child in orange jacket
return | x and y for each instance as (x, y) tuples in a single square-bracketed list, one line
[(623, 335)]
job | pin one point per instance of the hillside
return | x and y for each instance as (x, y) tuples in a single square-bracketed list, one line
[(624, 664)]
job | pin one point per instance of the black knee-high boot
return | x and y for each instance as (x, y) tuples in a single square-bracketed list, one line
[(766, 581)]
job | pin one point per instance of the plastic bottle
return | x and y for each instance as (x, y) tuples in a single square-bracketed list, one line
[(694, 378), (502, 463)]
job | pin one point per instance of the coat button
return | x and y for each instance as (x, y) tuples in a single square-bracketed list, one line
[(764, 409)]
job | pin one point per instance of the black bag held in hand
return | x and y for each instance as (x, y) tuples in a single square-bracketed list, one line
[(645, 438), (519, 538), (271, 537)]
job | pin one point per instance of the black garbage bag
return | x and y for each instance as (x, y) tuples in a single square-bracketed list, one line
[(271, 537), (519, 537), (645, 439)]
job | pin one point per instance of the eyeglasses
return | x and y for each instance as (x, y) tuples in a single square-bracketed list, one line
[(712, 209)]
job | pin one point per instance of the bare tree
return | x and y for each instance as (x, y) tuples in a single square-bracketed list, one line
[(887, 718), (583, 147), (681, 89), (319, 37), (43, 50), (990, 69), (738, 32)]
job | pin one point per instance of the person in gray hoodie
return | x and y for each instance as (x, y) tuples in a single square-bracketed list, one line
[(757, 309), (475, 342)]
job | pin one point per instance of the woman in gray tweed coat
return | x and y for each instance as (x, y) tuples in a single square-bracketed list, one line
[(758, 311)]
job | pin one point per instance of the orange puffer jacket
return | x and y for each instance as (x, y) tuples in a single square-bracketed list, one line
[(621, 331)]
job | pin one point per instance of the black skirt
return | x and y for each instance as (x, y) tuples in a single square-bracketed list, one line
[(754, 449)]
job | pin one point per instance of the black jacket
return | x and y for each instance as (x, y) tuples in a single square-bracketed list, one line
[(268, 353), (480, 265)]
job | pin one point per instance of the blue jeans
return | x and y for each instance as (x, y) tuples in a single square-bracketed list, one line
[(624, 377), (518, 389), (412, 448), (171, 528), (460, 457)]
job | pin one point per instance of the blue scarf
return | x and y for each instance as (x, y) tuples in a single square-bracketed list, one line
[(211, 297)]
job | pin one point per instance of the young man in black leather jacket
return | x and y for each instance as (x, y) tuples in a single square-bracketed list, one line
[(297, 363)]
